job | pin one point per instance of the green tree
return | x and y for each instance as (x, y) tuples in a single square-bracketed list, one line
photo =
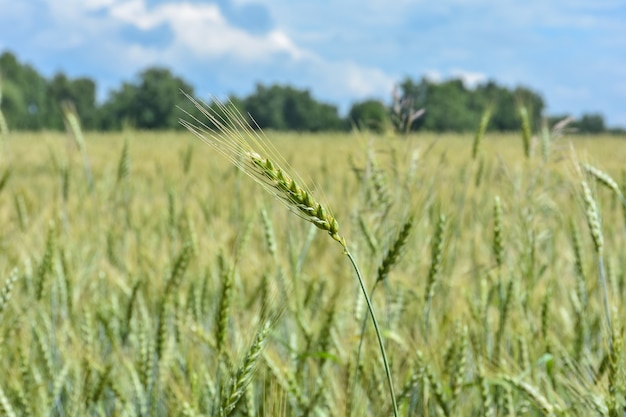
[(81, 92), (287, 108), (451, 106), (24, 102), (590, 123), (370, 114), (150, 103)]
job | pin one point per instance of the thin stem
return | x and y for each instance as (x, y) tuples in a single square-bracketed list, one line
[(378, 334), (361, 339), (605, 296)]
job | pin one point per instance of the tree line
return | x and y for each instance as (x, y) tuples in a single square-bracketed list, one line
[(153, 100)]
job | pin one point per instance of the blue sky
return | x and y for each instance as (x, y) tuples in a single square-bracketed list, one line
[(572, 51)]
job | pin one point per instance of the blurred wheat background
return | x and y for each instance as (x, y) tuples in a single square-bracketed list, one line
[(144, 275)]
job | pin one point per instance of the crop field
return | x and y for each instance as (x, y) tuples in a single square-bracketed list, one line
[(143, 274)]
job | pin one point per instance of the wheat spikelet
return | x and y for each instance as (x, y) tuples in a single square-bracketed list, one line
[(581, 280), (244, 374), (379, 194), (72, 126), (480, 132), (548, 408), (186, 159), (526, 130), (252, 154), (5, 178), (508, 407), (498, 246), (123, 166), (189, 232), (5, 293), (593, 218), (602, 177), (46, 265), (270, 238), (485, 393), (145, 351), (226, 273), (5, 405), (393, 253), (45, 354), (595, 228), (58, 385), (173, 282), (434, 383), (480, 172), (459, 362), (22, 212), (504, 315)]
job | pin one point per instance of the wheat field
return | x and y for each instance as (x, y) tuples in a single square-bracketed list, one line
[(142, 274)]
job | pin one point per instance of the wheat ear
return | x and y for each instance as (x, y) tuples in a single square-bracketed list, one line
[(526, 131), (480, 132), (229, 133), (606, 180), (595, 229)]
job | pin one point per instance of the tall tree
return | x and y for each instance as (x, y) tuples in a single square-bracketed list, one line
[(81, 92), (590, 123), (287, 108), (150, 103), (370, 114), (24, 102)]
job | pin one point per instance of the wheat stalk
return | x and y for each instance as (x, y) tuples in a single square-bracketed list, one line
[(229, 133), (595, 229), (72, 126), (244, 373)]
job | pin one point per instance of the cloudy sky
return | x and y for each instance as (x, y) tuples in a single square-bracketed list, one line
[(572, 51)]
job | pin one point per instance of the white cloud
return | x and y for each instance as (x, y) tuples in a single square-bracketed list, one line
[(341, 79), (470, 79), (202, 30), (433, 76)]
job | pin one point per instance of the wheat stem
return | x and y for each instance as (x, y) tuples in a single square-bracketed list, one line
[(378, 333)]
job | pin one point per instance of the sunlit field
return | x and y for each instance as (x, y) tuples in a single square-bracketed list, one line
[(147, 276)]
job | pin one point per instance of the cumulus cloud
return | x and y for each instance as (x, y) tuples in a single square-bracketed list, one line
[(202, 30), (336, 80)]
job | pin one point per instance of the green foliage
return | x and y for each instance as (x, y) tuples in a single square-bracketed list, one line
[(590, 123), (451, 106), (25, 104), (149, 103), (81, 92), (153, 100), (287, 108), (370, 114)]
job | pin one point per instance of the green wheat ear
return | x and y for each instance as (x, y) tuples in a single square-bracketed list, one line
[(229, 133)]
